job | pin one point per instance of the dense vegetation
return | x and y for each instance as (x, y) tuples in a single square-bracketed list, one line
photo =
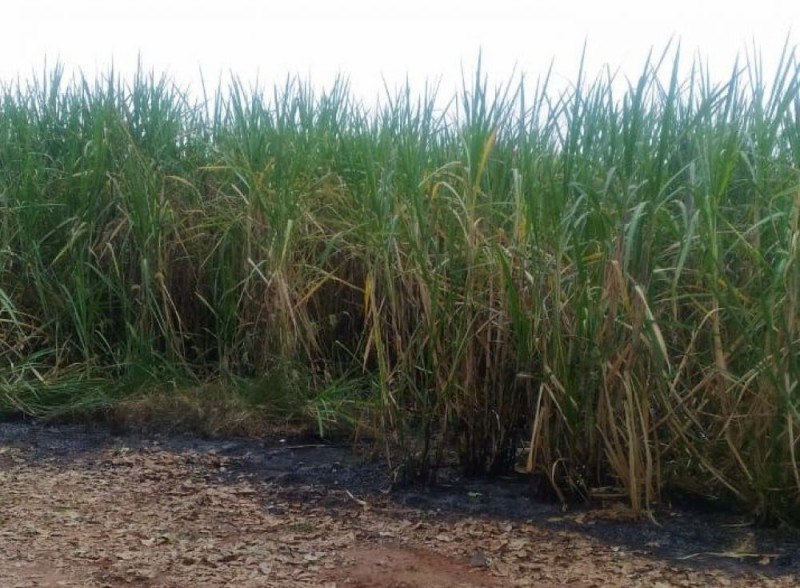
[(599, 287)]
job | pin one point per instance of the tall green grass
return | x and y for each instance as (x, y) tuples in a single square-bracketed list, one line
[(598, 286)]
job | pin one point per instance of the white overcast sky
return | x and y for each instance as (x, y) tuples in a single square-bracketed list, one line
[(370, 41)]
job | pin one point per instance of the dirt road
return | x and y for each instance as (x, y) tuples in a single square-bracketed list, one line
[(79, 507)]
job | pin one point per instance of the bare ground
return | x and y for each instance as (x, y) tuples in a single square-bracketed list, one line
[(79, 507)]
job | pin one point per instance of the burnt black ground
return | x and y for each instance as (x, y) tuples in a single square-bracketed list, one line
[(319, 472)]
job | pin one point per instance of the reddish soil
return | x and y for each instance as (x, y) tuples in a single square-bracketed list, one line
[(394, 566), (156, 515)]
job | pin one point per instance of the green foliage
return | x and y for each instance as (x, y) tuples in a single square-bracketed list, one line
[(598, 287)]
